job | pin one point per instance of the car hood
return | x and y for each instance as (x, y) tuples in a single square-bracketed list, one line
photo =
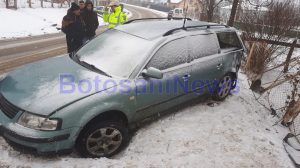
[(43, 87)]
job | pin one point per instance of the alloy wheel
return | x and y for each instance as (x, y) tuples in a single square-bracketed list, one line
[(104, 141), (224, 87)]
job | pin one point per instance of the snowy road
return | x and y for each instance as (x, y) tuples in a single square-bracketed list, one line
[(20, 51)]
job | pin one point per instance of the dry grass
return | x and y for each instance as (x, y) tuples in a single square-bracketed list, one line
[(257, 61), (292, 112)]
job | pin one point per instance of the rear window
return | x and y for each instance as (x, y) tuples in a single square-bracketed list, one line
[(229, 40), (178, 11)]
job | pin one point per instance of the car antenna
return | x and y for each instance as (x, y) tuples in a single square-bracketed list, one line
[(185, 15)]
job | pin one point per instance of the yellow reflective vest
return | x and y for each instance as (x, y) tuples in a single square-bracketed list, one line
[(115, 18)]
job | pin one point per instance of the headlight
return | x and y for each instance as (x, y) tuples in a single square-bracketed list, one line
[(36, 122)]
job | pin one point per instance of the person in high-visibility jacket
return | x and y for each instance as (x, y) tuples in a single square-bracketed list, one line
[(116, 16)]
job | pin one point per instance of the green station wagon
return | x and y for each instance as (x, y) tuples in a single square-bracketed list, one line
[(91, 99)]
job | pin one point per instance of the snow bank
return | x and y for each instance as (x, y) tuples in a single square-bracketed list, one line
[(162, 14), (28, 22), (235, 133), (31, 21)]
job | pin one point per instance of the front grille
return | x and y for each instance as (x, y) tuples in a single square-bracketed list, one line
[(7, 108)]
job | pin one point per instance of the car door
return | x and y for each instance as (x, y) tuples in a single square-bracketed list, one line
[(232, 50), (156, 95), (206, 62)]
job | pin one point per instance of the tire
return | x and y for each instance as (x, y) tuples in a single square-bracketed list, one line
[(225, 85), (103, 139)]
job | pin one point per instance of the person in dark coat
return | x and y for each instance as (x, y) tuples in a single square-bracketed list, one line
[(74, 28), (91, 20)]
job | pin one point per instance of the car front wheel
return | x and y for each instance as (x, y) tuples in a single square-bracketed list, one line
[(224, 87), (102, 140)]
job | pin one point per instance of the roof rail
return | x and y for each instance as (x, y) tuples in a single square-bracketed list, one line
[(190, 27), (158, 18)]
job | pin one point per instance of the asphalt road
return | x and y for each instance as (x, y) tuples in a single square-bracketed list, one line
[(17, 52)]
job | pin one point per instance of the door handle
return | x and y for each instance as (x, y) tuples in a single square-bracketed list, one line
[(186, 77), (219, 66)]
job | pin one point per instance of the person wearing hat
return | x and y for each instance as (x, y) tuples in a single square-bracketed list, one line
[(90, 18), (115, 16), (74, 28)]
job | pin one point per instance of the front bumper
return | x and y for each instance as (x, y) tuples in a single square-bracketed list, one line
[(9, 133), (38, 141)]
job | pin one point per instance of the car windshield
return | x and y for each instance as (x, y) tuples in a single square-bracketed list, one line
[(115, 53)]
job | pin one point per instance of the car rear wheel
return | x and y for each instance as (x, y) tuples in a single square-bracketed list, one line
[(224, 87), (102, 140)]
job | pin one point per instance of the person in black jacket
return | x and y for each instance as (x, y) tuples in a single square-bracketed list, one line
[(91, 20), (74, 28)]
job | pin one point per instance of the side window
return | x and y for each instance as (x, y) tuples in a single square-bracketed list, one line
[(171, 54), (203, 45), (229, 40)]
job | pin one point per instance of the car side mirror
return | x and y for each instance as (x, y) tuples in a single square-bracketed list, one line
[(152, 73)]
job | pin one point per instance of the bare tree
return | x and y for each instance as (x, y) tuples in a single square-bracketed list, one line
[(239, 10), (233, 12), (15, 4), (7, 4), (209, 7)]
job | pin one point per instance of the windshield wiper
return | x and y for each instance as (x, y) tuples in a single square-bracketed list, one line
[(93, 68), (90, 66)]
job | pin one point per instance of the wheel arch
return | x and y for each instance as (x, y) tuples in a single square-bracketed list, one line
[(111, 115), (233, 74)]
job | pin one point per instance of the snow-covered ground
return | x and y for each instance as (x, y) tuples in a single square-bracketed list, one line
[(28, 22), (33, 21), (235, 133)]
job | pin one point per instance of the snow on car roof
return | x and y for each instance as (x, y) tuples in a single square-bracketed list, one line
[(155, 28)]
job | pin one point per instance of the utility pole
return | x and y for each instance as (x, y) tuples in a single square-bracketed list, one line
[(233, 12)]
